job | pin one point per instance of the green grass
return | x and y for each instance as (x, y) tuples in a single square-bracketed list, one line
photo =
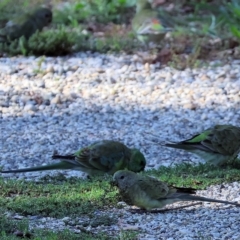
[(19, 229), (59, 197), (11, 229), (199, 177)]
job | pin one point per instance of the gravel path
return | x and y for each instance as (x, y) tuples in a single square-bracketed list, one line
[(65, 103)]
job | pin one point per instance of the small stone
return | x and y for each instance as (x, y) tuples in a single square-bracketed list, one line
[(56, 100)]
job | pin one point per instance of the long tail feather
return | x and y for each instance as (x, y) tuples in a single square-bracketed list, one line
[(188, 146), (56, 166), (203, 199)]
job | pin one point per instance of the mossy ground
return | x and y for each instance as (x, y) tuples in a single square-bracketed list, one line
[(59, 197)]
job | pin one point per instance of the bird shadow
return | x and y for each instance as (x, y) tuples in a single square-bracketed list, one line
[(143, 211)]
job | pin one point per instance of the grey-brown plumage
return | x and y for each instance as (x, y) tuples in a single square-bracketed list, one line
[(148, 193)]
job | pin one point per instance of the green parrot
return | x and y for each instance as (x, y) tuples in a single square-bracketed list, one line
[(101, 157), (148, 24), (147, 192), (216, 145), (26, 25)]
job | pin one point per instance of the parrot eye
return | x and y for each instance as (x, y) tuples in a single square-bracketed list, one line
[(122, 177)]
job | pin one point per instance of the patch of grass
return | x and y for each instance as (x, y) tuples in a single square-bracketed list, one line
[(59, 197), (11, 229), (128, 235), (18, 229), (56, 199), (72, 197), (199, 177)]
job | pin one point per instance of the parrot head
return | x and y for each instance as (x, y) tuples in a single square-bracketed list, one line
[(137, 161), (44, 14), (123, 179), (142, 4)]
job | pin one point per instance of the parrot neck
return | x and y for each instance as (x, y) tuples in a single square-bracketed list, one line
[(142, 5), (128, 154)]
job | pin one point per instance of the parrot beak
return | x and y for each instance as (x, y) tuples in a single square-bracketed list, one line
[(113, 183)]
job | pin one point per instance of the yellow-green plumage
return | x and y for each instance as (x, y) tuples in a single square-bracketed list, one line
[(26, 25), (101, 157), (148, 24), (216, 145), (147, 192)]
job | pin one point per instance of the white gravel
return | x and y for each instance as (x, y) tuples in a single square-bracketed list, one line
[(63, 104)]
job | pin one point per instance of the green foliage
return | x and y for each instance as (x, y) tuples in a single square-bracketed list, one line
[(74, 11), (77, 24), (53, 42), (227, 14), (230, 17), (102, 11), (63, 40), (8, 227)]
